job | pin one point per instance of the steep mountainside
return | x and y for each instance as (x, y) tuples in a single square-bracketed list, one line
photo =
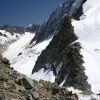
[(63, 57), (20, 30), (51, 27)]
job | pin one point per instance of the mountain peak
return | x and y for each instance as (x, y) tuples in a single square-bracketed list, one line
[(72, 8)]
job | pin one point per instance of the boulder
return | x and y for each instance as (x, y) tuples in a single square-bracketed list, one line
[(25, 82)]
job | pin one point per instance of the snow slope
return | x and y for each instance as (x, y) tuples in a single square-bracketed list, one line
[(88, 31), (21, 56), (17, 47), (25, 62), (41, 74)]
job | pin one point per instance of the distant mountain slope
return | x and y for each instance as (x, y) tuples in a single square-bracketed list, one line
[(13, 29), (10, 34)]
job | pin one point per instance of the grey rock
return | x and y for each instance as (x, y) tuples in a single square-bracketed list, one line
[(3, 76), (25, 82), (35, 95)]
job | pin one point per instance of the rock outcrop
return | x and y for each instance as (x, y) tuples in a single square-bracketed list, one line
[(62, 56), (15, 86)]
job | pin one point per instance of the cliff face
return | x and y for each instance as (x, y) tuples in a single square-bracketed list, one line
[(15, 86), (72, 8), (63, 57)]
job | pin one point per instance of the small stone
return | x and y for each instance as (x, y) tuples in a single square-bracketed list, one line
[(35, 95)]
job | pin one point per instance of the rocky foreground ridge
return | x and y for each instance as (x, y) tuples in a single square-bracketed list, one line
[(15, 86)]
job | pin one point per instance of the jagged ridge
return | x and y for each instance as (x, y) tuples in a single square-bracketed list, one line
[(72, 8)]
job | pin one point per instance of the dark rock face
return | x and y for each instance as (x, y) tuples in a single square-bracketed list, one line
[(72, 8), (14, 86), (64, 58)]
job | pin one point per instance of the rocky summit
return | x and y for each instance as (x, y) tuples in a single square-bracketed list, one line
[(15, 86)]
